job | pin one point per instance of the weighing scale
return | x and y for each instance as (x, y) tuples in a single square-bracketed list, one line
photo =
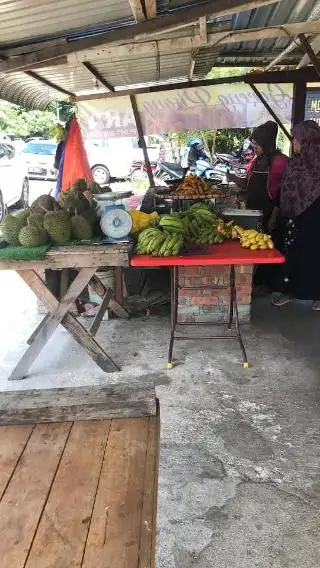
[(115, 221), (116, 224)]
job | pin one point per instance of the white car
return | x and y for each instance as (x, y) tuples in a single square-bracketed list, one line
[(14, 181), (39, 159), (40, 154)]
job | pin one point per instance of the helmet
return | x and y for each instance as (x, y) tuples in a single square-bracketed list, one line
[(193, 142)]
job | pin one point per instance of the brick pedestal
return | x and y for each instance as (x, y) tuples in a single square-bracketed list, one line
[(211, 304)]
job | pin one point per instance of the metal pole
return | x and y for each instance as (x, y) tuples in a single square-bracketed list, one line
[(269, 109), (142, 142)]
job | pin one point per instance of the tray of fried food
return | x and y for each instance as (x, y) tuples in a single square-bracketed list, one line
[(194, 187)]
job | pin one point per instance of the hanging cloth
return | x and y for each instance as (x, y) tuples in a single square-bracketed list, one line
[(75, 160)]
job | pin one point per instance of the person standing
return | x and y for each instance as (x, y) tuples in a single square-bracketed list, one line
[(299, 277), (262, 182)]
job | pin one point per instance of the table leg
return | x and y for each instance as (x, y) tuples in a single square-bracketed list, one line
[(232, 290), (174, 310), (59, 314), (233, 295)]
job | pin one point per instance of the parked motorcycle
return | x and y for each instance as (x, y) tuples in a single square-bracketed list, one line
[(138, 172), (169, 173)]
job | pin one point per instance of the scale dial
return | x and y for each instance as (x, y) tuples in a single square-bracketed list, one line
[(116, 223)]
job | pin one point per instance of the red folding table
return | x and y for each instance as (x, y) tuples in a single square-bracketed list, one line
[(229, 253)]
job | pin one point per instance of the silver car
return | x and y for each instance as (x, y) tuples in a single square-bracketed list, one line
[(14, 181)]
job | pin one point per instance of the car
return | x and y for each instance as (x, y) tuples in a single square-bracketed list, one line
[(14, 181), (39, 158)]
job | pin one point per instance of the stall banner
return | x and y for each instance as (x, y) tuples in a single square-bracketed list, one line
[(312, 111), (193, 108)]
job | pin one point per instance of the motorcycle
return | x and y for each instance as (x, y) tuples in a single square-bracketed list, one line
[(138, 172), (169, 173)]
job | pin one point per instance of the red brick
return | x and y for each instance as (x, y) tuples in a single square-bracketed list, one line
[(247, 288), (244, 298), (190, 293), (190, 270), (205, 301), (244, 269)]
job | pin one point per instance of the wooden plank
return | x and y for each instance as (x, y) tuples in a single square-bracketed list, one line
[(74, 327), (77, 403), (49, 324), (23, 502), (97, 75), (142, 47), (309, 52), (74, 257), (149, 509), (63, 528), (137, 10), (142, 140), (218, 8), (114, 535), (92, 347), (151, 8), (102, 310), (13, 440)]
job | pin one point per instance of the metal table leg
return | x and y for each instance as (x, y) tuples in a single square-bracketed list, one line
[(234, 309), (174, 310), (233, 316)]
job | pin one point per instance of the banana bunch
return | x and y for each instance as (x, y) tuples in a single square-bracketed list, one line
[(150, 240), (209, 236), (254, 240), (156, 242), (225, 229), (171, 223), (199, 224), (171, 246)]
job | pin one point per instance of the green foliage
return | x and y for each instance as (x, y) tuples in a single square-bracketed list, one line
[(223, 72), (17, 121)]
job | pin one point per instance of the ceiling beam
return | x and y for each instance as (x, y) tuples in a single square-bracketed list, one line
[(49, 83), (95, 73), (307, 74), (188, 44), (315, 44), (215, 8), (309, 51), (137, 10)]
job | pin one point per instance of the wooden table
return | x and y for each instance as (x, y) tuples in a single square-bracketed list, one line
[(79, 491), (86, 260)]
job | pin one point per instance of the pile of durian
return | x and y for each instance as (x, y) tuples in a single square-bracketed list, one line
[(72, 217)]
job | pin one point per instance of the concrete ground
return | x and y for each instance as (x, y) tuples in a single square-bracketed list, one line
[(239, 483)]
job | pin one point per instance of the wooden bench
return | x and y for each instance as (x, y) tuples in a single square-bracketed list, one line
[(78, 492)]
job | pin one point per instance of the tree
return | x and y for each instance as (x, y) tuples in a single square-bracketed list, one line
[(19, 122)]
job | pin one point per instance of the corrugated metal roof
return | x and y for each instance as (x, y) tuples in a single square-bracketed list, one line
[(34, 19), (26, 22), (22, 90)]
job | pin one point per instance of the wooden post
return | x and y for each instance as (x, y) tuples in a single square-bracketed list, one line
[(269, 109), (298, 102), (309, 51), (142, 142)]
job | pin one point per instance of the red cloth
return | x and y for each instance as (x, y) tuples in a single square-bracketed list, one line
[(76, 163), (276, 172)]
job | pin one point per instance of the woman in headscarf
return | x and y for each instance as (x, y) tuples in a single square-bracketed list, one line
[(262, 184), (300, 211)]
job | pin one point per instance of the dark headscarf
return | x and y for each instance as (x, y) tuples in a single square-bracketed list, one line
[(301, 184), (266, 136)]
